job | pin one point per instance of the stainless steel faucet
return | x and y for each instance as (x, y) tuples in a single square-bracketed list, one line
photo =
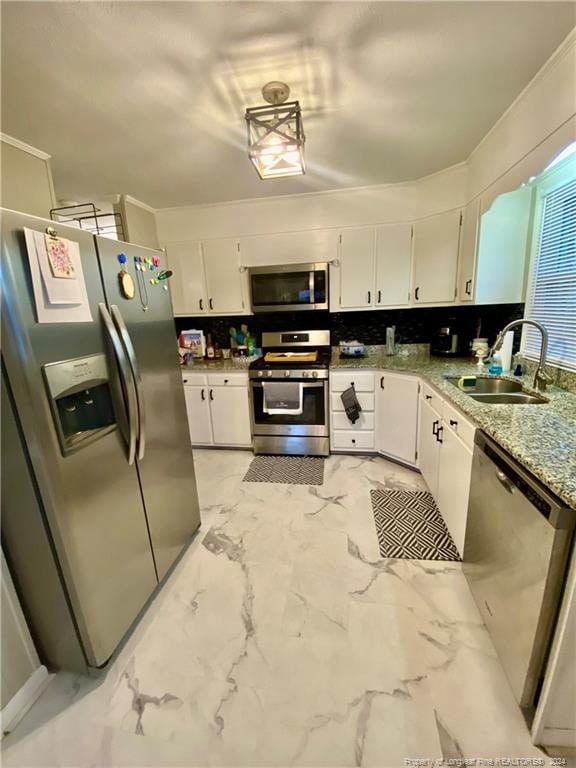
[(541, 378)]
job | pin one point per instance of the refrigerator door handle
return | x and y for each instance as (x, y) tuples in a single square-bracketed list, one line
[(131, 355), (127, 380)]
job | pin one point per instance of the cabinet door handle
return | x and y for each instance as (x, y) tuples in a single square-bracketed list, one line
[(226, 381), (438, 433), (201, 303), (428, 397), (435, 427), (381, 382), (468, 288), (210, 304), (453, 423), (211, 394), (379, 299), (203, 395), (369, 296), (185, 381), (353, 441), (416, 292)]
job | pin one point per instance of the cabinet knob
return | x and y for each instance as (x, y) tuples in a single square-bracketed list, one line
[(226, 381), (185, 381), (354, 440), (428, 397), (453, 423)]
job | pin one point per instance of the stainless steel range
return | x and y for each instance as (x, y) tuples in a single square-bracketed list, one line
[(289, 394)]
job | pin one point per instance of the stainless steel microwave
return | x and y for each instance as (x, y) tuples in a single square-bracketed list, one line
[(289, 287)]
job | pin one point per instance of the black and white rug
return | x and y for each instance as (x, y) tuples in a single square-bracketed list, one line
[(410, 526), (292, 470)]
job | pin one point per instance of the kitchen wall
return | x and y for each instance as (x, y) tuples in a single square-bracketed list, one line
[(413, 326), (26, 178)]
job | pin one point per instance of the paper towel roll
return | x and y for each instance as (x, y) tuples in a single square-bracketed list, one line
[(506, 352)]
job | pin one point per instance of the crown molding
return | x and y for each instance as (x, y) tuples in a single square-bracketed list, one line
[(24, 147)]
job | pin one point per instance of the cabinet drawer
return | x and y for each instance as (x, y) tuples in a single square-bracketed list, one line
[(353, 441), (459, 424), (365, 399), (194, 379), (228, 379), (433, 399), (341, 421), (363, 381)]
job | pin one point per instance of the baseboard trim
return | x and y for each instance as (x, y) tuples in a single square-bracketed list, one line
[(21, 702)]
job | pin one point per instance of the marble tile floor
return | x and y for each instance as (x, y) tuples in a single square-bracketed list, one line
[(283, 639)]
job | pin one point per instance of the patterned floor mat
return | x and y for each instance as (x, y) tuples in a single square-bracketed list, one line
[(292, 470), (410, 526)]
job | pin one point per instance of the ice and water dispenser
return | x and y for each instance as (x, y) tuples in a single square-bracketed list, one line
[(81, 400)]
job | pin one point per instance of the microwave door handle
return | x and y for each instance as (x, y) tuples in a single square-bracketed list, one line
[(127, 380), (312, 285), (131, 355)]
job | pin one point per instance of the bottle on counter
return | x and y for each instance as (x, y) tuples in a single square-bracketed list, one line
[(210, 353)]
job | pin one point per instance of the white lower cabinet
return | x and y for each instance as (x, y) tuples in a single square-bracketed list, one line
[(445, 458), (198, 410), (345, 436), (454, 470), (429, 447), (218, 409), (397, 416), (230, 415)]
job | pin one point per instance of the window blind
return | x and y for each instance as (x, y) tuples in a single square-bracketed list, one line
[(552, 294)]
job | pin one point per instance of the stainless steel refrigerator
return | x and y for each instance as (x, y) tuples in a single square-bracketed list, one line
[(98, 489)]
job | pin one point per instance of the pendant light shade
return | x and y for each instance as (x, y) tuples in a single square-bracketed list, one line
[(275, 135)]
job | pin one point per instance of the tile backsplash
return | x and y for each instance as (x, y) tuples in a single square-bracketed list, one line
[(413, 326)]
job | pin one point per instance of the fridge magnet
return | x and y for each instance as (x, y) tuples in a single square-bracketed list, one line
[(127, 287), (59, 258)]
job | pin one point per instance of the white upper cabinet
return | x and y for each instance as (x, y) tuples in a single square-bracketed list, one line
[(311, 246), (502, 249), (188, 286), (436, 242), (356, 256), (224, 283), (468, 251), (393, 265)]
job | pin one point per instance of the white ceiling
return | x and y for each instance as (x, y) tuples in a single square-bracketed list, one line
[(147, 98)]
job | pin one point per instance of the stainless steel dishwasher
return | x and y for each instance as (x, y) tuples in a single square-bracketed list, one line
[(518, 539)]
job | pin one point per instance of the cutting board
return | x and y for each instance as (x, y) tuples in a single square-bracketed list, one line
[(291, 357)]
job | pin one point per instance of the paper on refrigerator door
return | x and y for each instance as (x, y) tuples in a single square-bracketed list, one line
[(57, 300)]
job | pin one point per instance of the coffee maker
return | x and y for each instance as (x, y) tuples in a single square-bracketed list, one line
[(446, 342)]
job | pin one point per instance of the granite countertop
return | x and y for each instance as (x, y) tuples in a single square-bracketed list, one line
[(541, 438), (237, 364)]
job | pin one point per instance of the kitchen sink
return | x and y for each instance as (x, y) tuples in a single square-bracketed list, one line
[(485, 385), (508, 398), (497, 391)]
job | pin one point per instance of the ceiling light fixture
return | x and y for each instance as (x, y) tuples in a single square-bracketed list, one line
[(275, 134)]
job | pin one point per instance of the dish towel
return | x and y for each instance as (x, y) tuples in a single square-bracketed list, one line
[(351, 404), (283, 397)]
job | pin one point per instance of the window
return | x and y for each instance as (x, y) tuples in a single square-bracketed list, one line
[(551, 298)]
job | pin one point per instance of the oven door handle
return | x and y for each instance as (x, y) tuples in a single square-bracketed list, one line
[(308, 385)]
